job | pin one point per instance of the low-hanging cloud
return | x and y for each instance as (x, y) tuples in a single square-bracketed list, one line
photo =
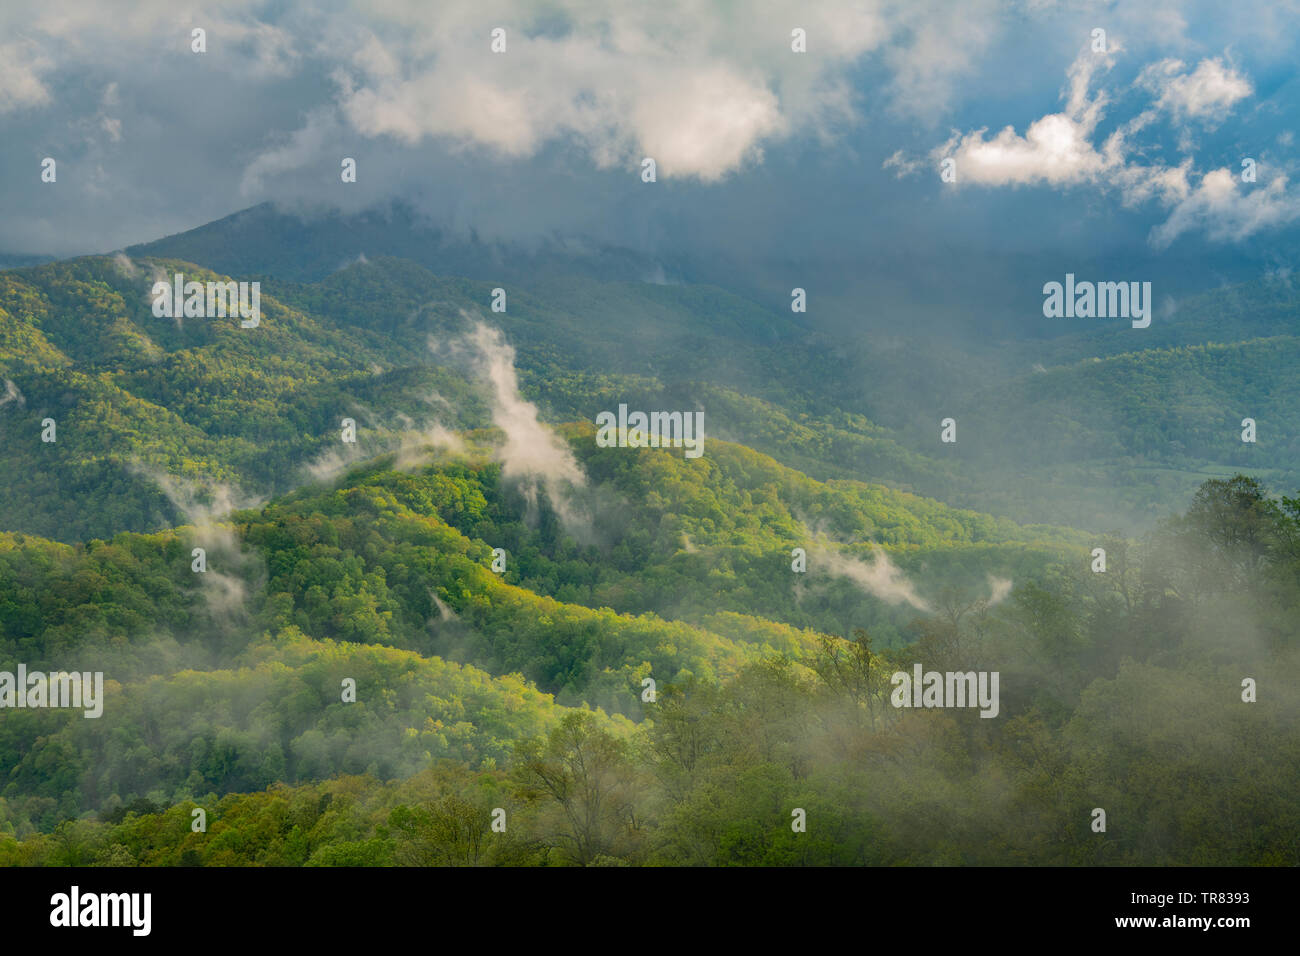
[(224, 583), (999, 588), (879, 577), (531, 455), (414, 443), (12, 395)]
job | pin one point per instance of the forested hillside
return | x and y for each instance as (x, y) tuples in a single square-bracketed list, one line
[(1120, 441), (253, 408), (1120, 690), (359, 651), (134, 394)]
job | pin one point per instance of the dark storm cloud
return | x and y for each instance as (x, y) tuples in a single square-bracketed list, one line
[(766, 156)]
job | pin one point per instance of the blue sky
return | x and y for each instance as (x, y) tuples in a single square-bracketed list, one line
[(763, 154)]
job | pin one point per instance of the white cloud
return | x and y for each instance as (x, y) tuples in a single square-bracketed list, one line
[(702, 88), (315, 138), (21, 68), (205, 504), (1226, 210), (999, 588), (1061, 149), (696, 87), (708, 89), (1207, 93), (1056, 149), (880, 578), (906, 165), (532, 456), (12, 394), (931, 46), (699, 90), (707, 124)]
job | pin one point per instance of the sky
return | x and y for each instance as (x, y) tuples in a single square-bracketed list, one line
[(1064, 143)]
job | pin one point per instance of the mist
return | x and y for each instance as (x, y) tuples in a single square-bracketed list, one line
[(879, 577), (533, 457)]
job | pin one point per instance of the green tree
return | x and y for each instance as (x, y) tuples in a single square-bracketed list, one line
[(584, 772)]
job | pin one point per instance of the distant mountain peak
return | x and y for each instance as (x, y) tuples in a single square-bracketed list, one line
[(306, 243)]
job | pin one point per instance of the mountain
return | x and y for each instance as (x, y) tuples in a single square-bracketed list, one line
[(349, 682), (130, 392), (305, 244), (846, 390), (361, 578), (13, 260)]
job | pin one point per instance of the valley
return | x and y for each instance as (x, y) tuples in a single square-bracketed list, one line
[(633, 563)]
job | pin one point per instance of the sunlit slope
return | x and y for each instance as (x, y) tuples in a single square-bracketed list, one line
[(134, 396), (230, 678)]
